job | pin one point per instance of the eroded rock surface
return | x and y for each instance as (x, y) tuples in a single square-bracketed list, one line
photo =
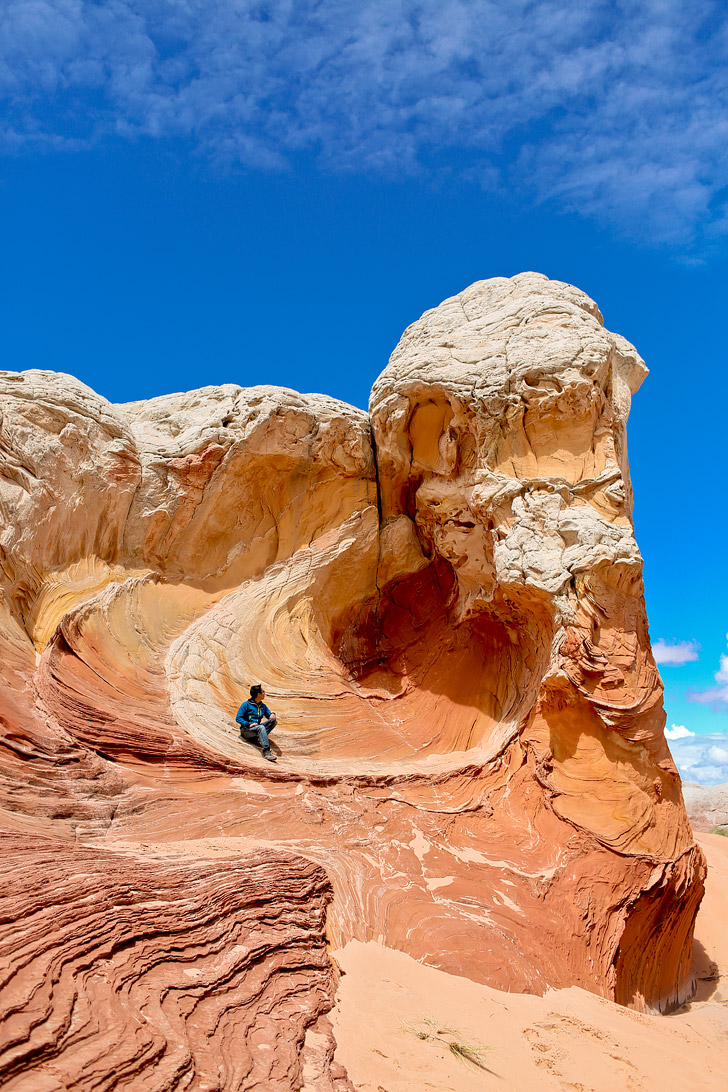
[(129, 974), (444, 601), (707, 806)]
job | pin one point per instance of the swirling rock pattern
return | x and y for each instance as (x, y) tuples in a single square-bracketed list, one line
[(444, 601), (120, 973)]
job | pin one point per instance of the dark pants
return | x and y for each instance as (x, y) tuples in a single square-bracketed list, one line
[(259, 731)]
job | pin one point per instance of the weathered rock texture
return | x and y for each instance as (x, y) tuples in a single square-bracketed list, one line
[(444, 601), (172, 974), (707, 806)]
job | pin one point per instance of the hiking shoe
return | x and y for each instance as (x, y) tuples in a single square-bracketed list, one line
[(270, 756)]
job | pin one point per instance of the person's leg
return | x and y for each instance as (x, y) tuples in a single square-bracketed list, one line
[(263, 730)]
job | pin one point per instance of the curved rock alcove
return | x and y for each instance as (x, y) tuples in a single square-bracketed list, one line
[(444, 601)]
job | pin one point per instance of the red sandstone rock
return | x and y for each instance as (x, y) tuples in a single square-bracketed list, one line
[(447, 612), (128, 972)]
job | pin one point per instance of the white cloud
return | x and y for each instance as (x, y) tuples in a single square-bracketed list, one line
[(619, 109), (678, 731), (701, 758), (680, 652), (715, 695), (721, 675)]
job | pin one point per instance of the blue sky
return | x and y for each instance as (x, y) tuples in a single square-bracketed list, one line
[(204, 191)]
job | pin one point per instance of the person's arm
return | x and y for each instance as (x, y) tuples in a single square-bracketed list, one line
[(243, 716)]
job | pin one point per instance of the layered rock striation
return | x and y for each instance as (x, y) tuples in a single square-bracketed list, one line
[(167, 973), (444, 601)]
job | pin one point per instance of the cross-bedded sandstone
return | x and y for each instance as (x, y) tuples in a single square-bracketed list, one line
[(128, 973), (444, 601)]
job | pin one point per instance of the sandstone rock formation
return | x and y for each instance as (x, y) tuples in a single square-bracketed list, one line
[(164, 974), (568, 1039), (707, 806), (444, 601)]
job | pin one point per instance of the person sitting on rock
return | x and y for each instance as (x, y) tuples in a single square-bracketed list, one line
[(256, 720)]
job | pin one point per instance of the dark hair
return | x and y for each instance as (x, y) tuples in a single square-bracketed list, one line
[(255, 690)]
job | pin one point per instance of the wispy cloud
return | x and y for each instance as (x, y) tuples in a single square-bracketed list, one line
[(715, 695), (619, 109), (675, 653), (701, 758)]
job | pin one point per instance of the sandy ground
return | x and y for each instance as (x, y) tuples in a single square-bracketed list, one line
[(568, 1040)]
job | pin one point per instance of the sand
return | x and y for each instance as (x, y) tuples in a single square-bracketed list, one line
[(568, 1040)]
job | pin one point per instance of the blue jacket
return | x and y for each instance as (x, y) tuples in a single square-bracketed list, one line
[(252, 713)]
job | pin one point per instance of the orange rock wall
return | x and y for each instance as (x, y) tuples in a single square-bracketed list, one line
[(444, 602)]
